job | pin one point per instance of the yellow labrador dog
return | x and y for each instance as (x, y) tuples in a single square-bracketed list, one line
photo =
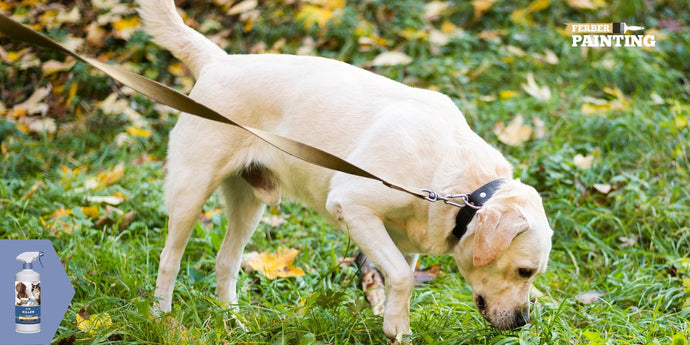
[(414, 137)]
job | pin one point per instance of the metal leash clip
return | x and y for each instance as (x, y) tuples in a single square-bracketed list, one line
[(433, 197)]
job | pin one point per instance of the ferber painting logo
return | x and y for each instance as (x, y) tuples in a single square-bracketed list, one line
[(610, 35)]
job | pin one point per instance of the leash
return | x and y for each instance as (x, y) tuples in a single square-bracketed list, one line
[(170, 97)]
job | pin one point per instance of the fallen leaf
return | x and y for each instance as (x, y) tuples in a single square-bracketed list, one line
[(587, 4), (542, 93), (427, 275), (319, 13), (41, 125), (372, 284), (602, 188), (505, 94), (54, 66), (110, 200), (278, 264), (138, 132), (345, 262), (583, 162), (126, 220), (539, 128), (105, 218), (111, 176), (589, 297), (391, 58), (434, 9), (125, 27), (91, 211), (273, 220), (628, 241), (93, 324), (515, 133), (33, 104), (481, 7), (242, 7)]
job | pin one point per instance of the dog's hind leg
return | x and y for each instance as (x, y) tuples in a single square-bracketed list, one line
[(186, 190), (244, 212)]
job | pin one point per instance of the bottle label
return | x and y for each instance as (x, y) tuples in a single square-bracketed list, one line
[(27, 302)]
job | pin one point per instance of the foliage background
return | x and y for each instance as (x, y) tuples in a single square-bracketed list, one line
[(601, 133)]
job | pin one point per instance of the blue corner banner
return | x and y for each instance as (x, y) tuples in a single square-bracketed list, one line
[(55, 291)]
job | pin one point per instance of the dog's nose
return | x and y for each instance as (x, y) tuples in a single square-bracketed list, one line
[(481, 303), (521, 317)]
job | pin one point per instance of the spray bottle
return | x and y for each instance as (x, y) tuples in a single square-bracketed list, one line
[(27, 295)]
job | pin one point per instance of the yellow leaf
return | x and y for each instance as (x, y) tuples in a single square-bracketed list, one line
[(505, 94), (319, 13), (277, 264), (593, 108), (515, 134), (94, 323), (138, 132), (125, 27), (107, 178), (72, 92), (61, 212), (522, 16), (538, 5), (481, 7), (91, 211)]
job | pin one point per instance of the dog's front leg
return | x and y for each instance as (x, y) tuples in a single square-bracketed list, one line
[(369, 233)]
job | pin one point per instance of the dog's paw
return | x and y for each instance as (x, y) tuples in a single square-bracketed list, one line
[(400, 339)]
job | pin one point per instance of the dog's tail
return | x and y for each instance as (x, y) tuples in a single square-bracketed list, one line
[(162, 21)]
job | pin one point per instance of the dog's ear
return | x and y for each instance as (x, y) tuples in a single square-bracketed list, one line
[(495, 230)]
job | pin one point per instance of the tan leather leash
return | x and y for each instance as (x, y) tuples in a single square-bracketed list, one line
[(175, 99)]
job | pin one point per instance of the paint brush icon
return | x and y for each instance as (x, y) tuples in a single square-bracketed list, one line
[(621, 28)]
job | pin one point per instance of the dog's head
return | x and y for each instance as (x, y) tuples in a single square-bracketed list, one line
[(506, 246)]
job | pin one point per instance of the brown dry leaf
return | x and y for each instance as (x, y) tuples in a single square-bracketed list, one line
[(126, 220), (95, 35), (372, 284), (278, 264), (427, 275), (515, 133)]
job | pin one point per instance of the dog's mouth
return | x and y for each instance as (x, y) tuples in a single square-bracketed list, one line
[(507, 319)]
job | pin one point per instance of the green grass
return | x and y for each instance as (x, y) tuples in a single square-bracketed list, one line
[(632, 243)]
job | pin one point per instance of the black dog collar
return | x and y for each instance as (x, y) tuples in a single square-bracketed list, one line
[(473, 203)]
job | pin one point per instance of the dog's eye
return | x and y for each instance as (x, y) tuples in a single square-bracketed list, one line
[(525, 272)]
